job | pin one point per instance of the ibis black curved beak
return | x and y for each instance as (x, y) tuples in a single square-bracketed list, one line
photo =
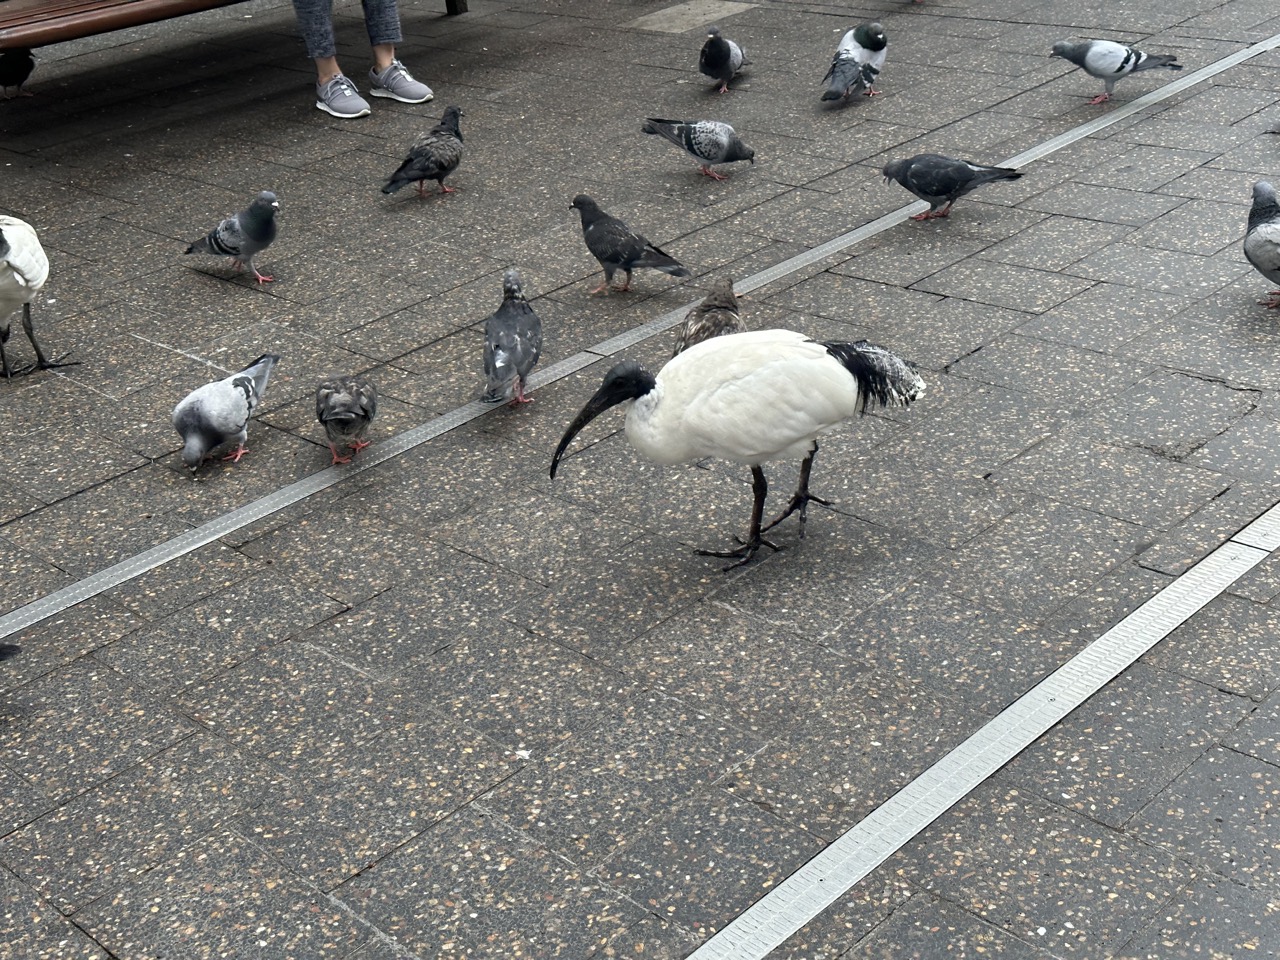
[(626, 381)]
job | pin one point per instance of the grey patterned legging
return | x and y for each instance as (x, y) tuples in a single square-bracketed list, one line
[(315, 22)]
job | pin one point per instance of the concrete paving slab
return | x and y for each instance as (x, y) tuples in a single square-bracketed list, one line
[(926, 927), (1211, 915), (29, 926), (1227, 644)]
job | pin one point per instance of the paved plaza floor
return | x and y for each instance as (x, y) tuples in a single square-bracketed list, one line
[(449, 707)]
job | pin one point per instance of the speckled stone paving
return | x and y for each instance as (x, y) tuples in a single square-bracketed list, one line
[(451, 708)]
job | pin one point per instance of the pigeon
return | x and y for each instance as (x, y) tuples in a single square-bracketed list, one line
[(433, 156), (933, 177), (23, 270), (512, 342), (8, 651), (1109, 61), (715, 316), (219, 412), (720, 59), (345, 406), (1262, 239), (857, 64), (707, 141), (15, 66), (616, 246), (245, 235)]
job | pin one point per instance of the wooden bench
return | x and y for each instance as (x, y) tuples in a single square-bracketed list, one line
[(35, 23)]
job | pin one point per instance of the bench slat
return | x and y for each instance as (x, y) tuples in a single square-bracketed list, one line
[(35, 23)]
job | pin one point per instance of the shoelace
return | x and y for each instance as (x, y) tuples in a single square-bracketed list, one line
[(395, 71), (344, 85)]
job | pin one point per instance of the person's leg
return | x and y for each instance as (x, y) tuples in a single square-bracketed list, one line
[(335, 94), (389, 78)]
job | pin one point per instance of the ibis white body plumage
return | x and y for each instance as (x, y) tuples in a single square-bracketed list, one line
[(750, 398), (24, 268)]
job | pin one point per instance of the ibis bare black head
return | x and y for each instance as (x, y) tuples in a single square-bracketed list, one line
[(626, 381)]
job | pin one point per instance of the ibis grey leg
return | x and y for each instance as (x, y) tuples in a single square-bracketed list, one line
[(754, 541), (802, 495), (42, 362)]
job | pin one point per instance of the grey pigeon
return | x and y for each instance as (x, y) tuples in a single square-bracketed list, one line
[(617, 246), (1109, 61), (720, 59), (1262, 238), (707, 141), (8, 651), (715, 316), (15, 66), (857, 64), (939, 179), (244, 235), (512, 343), (345, 406), (433, 156), (24, 268), (219, 412)]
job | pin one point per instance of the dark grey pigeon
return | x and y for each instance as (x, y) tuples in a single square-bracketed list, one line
[(8, 651), (618, 247), (244, 235), (939, 179), (707, 141), (345, 406), (15, 66), (1262, 239), (857, 64), (219, 412), (512, 343), (433, 156), (715, 316), (720, 59), (1109, 61)]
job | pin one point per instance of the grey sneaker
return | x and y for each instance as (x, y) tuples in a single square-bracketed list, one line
[(341, 98), (396, 83)]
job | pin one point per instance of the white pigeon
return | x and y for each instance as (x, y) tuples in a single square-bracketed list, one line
[(24, 268), (512, 343), (857, 64), (707, 141), (219, 412), (1109, 61), (1262, 239), (720, 58)]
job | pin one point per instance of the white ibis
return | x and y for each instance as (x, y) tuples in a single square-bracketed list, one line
[(24, 268), (752, 398)]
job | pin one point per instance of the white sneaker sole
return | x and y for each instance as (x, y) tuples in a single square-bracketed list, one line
[(321, 105), (380, 92)]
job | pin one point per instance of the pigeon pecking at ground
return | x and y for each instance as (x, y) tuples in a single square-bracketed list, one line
[(24, 268), (707, 141), (1262, 238), (433, 156), (244, 235), (720, 59), (618, 247), (715, 316), (345, 406), (512, 343), (1109, 61), (15, 66), (939, 179), (857, 64), (219, 412)]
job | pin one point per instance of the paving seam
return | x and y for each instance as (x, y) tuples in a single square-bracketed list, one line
[(803, 895), (97, 583)]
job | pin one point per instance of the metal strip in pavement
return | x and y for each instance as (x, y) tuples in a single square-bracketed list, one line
[(768, 923), (148, 560)]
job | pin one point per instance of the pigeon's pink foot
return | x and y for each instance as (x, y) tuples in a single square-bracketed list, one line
[(263, 278), (358, 445), (870, 93), (1273, 301), (1100, 98), (708, 172), (444, 189), (724, 88), (235, 455), (337, 458), (603, 288), (520, 397), (927, 215)]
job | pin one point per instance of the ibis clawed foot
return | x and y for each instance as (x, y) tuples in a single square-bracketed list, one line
[(754, 541), (800, 500)]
